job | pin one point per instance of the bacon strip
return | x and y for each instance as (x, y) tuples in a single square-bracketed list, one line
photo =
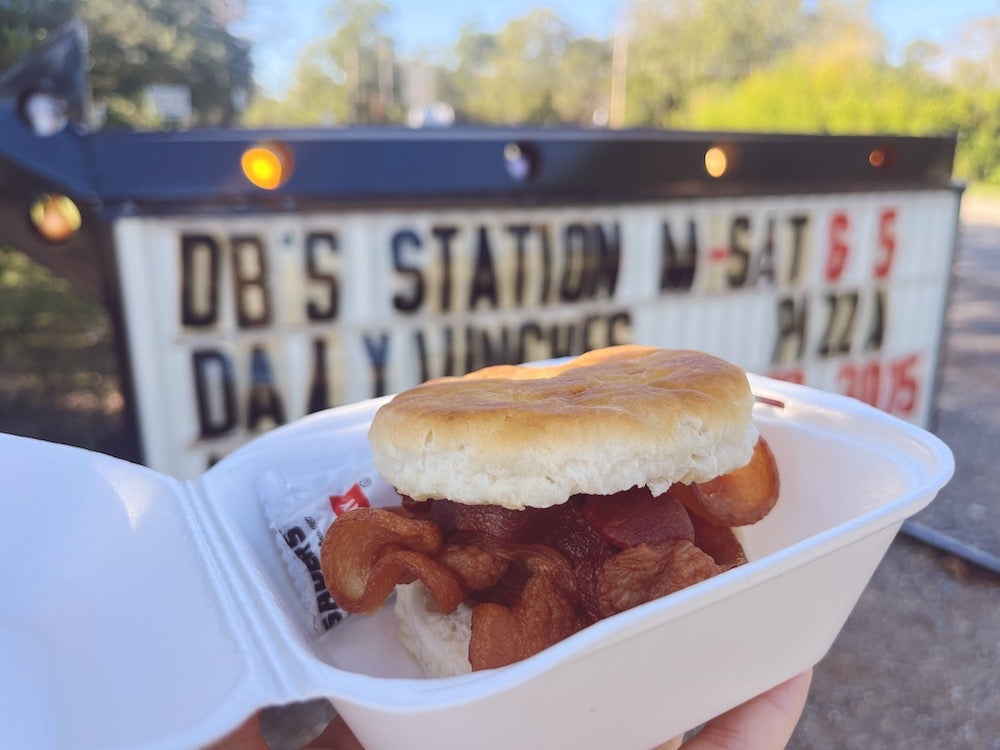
[(543, 613), (636, 516), (534, 577), (567, 530), (473, 560), (740, 497), (504, 524), (639, 574), (718, 541), (369, 550)]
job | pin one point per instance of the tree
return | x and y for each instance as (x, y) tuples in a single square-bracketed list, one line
[(470, 62), (533, 71), (141, 42), (675, 47), (977, 114), (921, 56), (583, 78), (978, 64), (837, 81), (350, 76), (518, 82), (24, 24), (135, 44)]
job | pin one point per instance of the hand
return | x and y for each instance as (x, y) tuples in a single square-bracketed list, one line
[(762, 723), (248, 737)]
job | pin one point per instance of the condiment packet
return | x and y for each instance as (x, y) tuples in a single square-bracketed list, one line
[(300, 509)]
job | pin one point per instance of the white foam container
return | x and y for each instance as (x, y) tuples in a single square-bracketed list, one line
[(139, 611)]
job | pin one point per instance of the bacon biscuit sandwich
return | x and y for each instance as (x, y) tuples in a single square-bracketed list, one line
[(538, 500)]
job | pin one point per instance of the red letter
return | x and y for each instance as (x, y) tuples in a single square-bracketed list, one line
[(886, 243), (904, 386), (837, 257), (847, 378)]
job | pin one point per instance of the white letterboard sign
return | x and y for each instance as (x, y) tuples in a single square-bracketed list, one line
[(238, 323)]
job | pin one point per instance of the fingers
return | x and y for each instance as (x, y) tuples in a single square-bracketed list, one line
[(674, 744), (762, 723), (336, 737), (246, 737)]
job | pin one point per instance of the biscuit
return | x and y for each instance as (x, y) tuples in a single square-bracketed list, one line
[(521, 436)]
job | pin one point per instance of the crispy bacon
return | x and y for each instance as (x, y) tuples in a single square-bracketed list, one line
[(718, 541), (405, 566), (542, 612), (642, 573), (567, 531), (474, 561), (740, 497), (367, 551), (534, 577), (500, 523), (636, 516)]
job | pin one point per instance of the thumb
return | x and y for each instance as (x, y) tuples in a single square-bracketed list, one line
[(762, 723)]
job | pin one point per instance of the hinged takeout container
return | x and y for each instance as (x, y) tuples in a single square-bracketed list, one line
[(139, 611)]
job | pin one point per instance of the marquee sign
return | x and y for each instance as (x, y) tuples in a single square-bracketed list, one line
[(237, 324)]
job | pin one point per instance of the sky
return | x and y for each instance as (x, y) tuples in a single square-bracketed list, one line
[(280, 29)]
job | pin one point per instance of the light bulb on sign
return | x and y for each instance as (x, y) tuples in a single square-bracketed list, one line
[(716, 162), (519, 161), (55, 217), (267, 165), (45, 113)]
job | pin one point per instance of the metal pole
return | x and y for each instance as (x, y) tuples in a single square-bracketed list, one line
[(950, 544)]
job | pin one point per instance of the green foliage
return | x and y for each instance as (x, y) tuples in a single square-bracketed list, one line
[(24, 24), (134, 44), (833, 95), (577, 97), (51, 340), (349, 77), (529, 72), (977, 118), (58, 371), (833, 88), (137, 43), (677, 47)]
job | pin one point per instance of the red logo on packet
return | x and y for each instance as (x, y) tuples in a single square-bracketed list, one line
[(353, 498)]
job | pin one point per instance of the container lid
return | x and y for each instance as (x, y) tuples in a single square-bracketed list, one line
[(113, 627)]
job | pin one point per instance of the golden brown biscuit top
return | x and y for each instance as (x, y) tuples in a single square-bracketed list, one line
[(532, 436)]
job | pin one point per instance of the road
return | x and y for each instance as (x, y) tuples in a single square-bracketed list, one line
[(968, 409)]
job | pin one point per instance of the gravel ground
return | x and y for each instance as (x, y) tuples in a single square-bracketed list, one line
[(968, 412), (916, 665)]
